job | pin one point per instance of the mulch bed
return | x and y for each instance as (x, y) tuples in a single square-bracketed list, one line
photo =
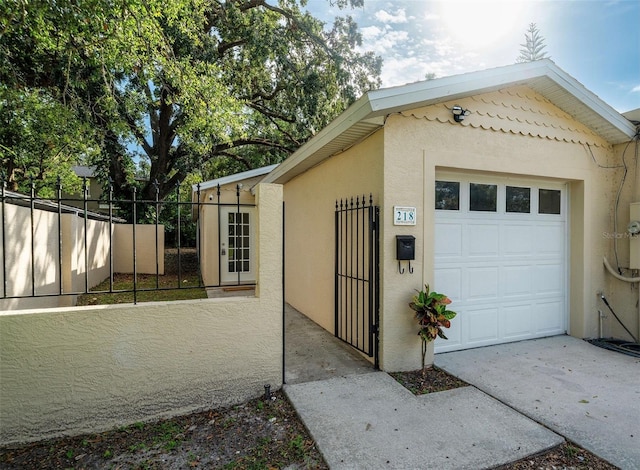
[(428, 380)]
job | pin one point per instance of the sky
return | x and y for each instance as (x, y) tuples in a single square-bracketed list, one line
[(597, 42)]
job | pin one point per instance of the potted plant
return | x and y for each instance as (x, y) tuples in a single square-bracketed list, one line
[(432, 315)]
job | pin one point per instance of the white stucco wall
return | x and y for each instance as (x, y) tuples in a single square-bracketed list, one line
[(85, 267), (47, 240), (145, 255), (86, 369), (20, 238)]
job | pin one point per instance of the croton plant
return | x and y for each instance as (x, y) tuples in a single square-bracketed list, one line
[(432, 315)]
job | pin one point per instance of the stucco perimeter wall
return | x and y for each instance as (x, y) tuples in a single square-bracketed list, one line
[(53, 247), (310, 201), (509, 132), (21, 242), (145, 254), (86, 369)]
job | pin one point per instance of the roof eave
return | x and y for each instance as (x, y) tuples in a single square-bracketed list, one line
[(485, 81), (374, 106), (625, 130), (358, 112), (233, 178)]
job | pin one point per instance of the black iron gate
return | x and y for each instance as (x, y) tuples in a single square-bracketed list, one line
[(357, 303)]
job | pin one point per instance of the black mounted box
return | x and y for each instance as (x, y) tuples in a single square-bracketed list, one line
[(405, 247)]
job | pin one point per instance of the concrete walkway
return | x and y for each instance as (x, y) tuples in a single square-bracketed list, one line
[(312, 353), (370, 421), (521, 393)]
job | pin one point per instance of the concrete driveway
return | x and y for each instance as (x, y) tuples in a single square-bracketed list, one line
[(589, 395)]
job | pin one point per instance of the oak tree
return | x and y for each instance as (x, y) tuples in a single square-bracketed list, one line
[(205, 86)]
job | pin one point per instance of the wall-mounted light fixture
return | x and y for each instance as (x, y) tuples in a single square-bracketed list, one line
[(459, 113)]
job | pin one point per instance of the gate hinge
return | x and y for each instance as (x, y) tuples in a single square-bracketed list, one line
[(375, 329)]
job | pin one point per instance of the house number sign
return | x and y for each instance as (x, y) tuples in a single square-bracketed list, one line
[(404, 215)]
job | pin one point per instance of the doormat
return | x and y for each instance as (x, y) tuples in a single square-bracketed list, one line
[(622, 346)]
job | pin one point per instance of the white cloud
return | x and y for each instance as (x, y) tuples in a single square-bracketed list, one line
[(431, 17), (436, 39), (401, 70), (370, 33), (392, 39), (384, 41), (384, 17)]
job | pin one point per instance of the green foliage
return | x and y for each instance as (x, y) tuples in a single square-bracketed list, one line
[(431, 312), (533, 47), (40, 139), (182, 83), (297, 447)]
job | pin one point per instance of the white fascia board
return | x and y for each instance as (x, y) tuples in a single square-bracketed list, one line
[(591, 100), (377, 104), (357, 112), (234, 178), (429, 92), (458, 86)]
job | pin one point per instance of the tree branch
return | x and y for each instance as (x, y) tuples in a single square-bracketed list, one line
[(237, 158), (221, 148), (225, 46), (267, 112)]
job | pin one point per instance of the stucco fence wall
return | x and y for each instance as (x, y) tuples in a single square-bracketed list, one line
[(78, 264), (87, 369)]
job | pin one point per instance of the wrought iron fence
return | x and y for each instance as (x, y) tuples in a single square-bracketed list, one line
[(36, 241)]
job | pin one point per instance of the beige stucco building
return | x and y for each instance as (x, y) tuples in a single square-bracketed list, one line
[(515, 183), (228, 249)]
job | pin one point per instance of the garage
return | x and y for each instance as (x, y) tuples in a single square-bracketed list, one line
[(513, 176), (501, 256)]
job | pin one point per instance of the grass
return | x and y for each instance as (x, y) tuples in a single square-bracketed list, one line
[(165, 435), (152, 288), (171, 289)]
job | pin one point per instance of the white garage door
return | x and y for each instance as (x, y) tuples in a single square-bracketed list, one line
[(500, 255)]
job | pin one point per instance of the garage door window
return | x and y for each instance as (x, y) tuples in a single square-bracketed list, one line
[(549, 201), (448, 195), (518, 200), (483, 197)]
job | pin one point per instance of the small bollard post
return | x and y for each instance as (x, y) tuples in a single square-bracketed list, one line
[(267, 392)]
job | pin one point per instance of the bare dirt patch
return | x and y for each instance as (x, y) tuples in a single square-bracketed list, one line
[(259, 434)]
